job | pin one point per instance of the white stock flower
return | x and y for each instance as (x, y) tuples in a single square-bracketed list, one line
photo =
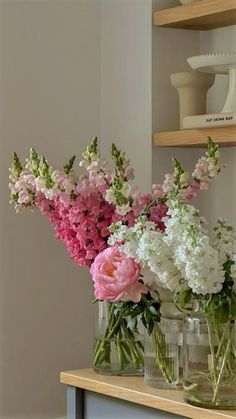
[(233, 271), (118, 233), (224, 240), (158, 256), (195, 258)]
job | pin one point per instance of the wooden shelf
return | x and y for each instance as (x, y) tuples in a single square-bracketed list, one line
[(201, 15), (134, 390), (224, 136)]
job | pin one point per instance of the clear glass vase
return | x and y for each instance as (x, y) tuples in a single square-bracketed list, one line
[(119, 345), (209, 362), (161, 361)]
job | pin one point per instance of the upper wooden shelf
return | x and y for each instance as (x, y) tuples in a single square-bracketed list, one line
[(201, 15), (134, 390), (224, 136)]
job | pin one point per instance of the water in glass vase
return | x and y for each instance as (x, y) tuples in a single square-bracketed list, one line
[(118, 346), (118, 357), (154, 375), (199, 392), (161, 356), (210, 363)]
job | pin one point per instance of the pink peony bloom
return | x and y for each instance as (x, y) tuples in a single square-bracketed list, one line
[(116, 276)]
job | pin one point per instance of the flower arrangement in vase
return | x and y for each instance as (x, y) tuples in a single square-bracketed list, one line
[(108, 225)]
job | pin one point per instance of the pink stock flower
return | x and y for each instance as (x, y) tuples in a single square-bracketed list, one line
[(116, 276)]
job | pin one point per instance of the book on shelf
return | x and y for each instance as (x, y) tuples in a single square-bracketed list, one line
[(214, 120)]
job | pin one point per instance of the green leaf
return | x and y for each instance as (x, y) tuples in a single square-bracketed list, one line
[(185, 297)]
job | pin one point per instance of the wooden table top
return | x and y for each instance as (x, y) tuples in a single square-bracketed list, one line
[(133, 389)]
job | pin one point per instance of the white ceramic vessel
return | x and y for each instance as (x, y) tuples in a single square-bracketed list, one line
[(219, 64)]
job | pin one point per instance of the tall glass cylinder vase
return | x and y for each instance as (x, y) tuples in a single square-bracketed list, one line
[(209, 362), (161, 362), (118, 346), (170, 311)]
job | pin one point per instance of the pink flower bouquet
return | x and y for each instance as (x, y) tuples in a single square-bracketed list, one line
[(102, 220)]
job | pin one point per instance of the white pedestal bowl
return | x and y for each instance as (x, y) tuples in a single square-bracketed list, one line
[(219, 64)]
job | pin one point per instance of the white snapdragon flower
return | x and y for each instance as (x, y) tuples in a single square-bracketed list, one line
[(99, 179), (123, 209), (129, 173), (126, 189), (169, 182), (49, 193), (110, 196), (184, 178), (83, 163), (63, 182), (120, 197), (93, 167)]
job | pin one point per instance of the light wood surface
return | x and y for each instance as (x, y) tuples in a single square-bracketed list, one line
[(134, 390), (224, 136), (202, 15)]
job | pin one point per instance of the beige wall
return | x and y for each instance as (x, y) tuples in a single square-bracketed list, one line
[(126, 82), (50, 78)]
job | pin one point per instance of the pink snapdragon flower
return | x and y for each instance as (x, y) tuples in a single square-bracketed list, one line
[(116, 276), (157, 213), (157, 191), (80, 222), (191, 191)]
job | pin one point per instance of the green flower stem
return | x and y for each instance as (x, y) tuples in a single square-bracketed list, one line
[(112, 330), (128, 349), (222, 359), (217, 386), (136, 347), (165, 364), (223, 332), (120, 351), (211, 344), (101, 351)]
